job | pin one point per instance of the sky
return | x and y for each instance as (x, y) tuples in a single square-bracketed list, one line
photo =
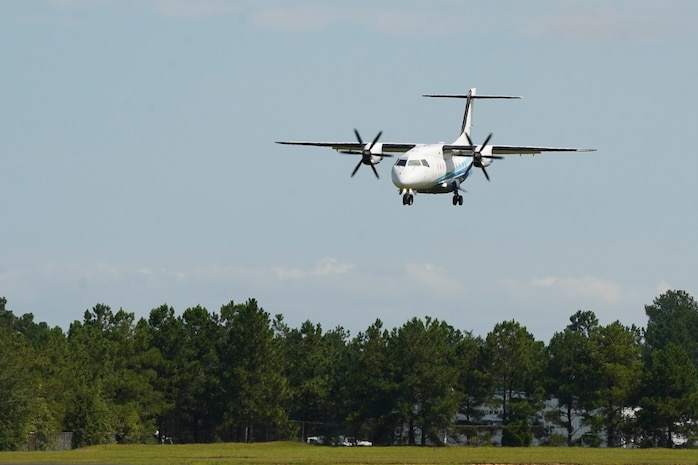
[(138, 165)]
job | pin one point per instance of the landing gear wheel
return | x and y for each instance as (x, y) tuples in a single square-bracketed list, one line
[(460, 200), (407, 199), (457, 199)]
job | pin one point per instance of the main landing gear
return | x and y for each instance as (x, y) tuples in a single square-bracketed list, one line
[(408, 199)]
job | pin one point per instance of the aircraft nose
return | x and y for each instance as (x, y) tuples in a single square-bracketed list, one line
[(398, 176), (405, 177)]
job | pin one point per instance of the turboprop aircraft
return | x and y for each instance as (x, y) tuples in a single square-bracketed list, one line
[(435, 168)]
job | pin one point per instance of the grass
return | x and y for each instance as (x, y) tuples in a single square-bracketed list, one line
[(302, 454)]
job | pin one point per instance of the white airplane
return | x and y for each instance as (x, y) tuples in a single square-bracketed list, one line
[(435, 168)]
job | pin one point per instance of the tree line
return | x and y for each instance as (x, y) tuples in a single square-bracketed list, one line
[(242, 375)]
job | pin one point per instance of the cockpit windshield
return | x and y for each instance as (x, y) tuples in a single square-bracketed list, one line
[(412, 162)]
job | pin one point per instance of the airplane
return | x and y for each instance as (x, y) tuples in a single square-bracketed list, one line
[(435, 168)]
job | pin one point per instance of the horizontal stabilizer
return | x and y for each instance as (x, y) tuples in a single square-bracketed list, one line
[(469, 96)]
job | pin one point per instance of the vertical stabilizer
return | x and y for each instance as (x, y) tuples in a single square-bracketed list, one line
[(467, 124)]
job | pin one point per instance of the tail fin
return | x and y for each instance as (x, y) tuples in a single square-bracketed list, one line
[(467, 124)]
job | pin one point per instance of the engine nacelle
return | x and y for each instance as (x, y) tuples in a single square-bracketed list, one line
[(376, 153), (486, 150), (375, 159)]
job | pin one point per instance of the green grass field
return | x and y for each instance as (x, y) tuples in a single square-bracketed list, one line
[(298, 453)]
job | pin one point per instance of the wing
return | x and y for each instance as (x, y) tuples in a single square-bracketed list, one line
[(528, 150), (384, 147), (510, 149)]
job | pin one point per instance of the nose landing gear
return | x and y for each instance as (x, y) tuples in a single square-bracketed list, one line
[(457, 199)]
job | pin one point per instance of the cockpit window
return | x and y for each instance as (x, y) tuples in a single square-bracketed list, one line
[(413, 162)]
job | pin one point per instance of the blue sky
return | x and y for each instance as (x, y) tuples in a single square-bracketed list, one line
[(139, 166)]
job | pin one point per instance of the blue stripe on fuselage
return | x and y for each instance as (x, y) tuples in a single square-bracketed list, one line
[(436, 187), (455, 174)]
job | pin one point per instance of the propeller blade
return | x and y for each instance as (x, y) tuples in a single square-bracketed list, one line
[(350, 152), (358, 165), (470, 141), (467, 170), (374, 171), (485, 171), (358, 137), (375, 139), (486, 141)]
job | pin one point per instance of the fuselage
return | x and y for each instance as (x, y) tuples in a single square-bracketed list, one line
[(425, 169)]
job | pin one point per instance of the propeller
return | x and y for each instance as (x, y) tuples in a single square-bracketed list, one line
[(478, 156), (365, 152)]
